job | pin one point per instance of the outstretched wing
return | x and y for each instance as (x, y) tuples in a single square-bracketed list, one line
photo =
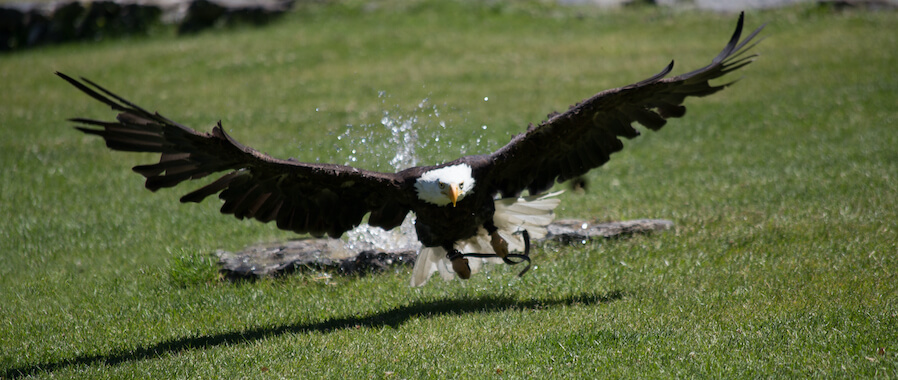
[(301, 197), (570, 144)]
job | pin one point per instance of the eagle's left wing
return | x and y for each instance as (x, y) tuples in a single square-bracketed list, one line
[(301, 197), (572, 143)]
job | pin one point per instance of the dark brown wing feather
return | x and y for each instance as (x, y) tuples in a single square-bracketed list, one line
[(301, 197), (570, 144)]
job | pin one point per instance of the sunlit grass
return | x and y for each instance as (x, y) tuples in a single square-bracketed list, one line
[(782, 189)]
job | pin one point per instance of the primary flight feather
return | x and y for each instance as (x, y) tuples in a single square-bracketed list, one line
[(470, 204)]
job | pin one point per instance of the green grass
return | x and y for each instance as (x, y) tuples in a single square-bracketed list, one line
[(783, 190)]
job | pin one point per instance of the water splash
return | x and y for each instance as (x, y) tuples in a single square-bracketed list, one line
[(393, 140), (403, 138), (399, 149), (366, 238)]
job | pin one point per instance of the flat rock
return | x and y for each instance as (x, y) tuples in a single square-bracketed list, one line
[(333, 255), (308, 254), (574, 230)]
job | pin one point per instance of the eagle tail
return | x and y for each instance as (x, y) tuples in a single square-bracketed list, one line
[(532, 213), (429, 261)]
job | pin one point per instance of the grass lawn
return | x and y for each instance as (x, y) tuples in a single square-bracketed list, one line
[(783, 189)]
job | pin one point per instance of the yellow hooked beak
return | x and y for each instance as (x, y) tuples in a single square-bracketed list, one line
[(452, 193)]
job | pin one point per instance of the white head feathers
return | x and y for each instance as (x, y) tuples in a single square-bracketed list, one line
[(440, 186)]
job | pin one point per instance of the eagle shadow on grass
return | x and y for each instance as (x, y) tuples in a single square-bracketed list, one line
[(393, 318)]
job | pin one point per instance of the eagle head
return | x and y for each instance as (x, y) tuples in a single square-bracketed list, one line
[(446, 185)]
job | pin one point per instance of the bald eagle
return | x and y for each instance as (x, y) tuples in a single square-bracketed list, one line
[(473, 203)]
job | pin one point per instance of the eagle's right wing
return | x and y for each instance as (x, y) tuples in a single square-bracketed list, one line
[(301, 197), (582, 138)]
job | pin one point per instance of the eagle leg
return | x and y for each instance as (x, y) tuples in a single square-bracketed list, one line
[(500, 246), (459, 263), (457, 257)]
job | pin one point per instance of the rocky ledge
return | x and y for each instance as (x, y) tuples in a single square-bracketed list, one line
[(31, 24)]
